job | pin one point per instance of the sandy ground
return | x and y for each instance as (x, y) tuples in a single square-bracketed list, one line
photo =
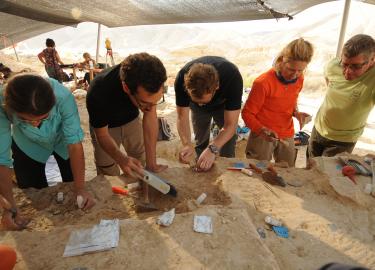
[(328, 217), (323, 225)]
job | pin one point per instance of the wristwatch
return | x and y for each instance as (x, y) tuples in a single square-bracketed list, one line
[(214, 149)]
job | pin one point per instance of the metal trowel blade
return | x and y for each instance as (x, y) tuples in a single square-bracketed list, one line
[(273, 179)]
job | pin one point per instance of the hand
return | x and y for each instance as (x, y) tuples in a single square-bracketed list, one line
[(186, 153), (268, 134), (205, 160), (303, 118), (157, 168), (88, 200), (14, 224), (132, 167)]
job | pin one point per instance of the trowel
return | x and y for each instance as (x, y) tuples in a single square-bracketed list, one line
[(271, 176)]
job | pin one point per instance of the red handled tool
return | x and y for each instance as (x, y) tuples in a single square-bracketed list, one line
[(120, 190), (349, 171)]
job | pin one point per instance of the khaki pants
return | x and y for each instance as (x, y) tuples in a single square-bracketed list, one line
[(321, 146), (260, 149), (130, 136)]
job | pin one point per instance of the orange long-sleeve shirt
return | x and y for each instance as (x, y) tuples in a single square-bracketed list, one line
[(271, 104)]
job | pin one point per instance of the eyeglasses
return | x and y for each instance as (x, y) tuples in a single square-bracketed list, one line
[(353, 67), (38, 121), (147, 105)]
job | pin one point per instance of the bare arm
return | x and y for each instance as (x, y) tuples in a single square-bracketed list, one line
[(127, 164), (8, 220), (150, 134), (77, 163), (229, 128), (183, 125), (6, 185), (186, 154), (41, 58)]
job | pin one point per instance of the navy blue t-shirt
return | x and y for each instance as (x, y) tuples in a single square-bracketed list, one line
[(229, 94)]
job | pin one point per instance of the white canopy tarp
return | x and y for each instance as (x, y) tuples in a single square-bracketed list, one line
[(22, 19)]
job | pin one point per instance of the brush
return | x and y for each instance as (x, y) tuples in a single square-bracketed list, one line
[(158, 183)]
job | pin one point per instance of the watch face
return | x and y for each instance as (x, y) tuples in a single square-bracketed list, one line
[(213, 149)]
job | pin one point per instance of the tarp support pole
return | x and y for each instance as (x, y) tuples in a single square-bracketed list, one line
[(98, 43), (343, 27), (15, 52)]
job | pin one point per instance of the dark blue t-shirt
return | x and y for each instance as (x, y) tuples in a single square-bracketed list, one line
[(229, 94)]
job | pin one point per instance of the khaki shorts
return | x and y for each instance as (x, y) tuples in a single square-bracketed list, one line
[(130, 136), (260, 149)]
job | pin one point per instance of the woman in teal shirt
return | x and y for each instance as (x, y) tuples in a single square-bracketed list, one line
[(39, 118)]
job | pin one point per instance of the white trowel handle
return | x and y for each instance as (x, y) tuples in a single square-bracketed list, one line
[(156, 182)]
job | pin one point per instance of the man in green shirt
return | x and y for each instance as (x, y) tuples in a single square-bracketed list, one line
[(349, 100)]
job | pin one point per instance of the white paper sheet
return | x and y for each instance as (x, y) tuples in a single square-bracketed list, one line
[(102, 236), (203, 224)]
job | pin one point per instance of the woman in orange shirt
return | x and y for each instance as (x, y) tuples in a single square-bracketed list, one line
[(272, 103)]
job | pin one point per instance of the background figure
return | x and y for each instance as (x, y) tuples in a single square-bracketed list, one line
[(211, 88), (272, 103), (51, 59), (87, 64), (39, 118), (349, 100)]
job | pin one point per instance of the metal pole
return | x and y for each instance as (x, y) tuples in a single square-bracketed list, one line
[(14, 48), (343, 27), (98, 43)]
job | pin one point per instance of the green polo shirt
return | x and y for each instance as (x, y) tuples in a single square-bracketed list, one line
[(343, 114)]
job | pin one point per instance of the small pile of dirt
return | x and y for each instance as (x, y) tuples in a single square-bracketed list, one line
[(45, 212)]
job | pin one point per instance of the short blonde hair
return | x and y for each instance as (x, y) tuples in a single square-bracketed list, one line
[(201, 79), (297, 50), (86, 54)]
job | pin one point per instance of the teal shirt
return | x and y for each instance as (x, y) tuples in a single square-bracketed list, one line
[(61, 128)]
